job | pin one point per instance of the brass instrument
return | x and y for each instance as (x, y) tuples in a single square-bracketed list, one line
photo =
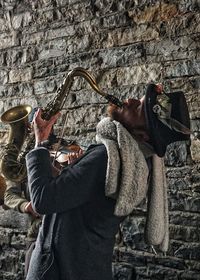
[(12, 167), (13, 160)]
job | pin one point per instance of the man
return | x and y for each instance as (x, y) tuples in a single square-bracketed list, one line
[(16, 195), (85, 204)]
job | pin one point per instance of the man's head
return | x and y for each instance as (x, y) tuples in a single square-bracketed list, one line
[(132, 116), (157, 118)]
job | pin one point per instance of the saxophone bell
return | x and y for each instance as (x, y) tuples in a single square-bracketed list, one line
[(17, 117)]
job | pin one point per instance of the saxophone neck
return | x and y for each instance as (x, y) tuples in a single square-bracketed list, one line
[(79, 71)]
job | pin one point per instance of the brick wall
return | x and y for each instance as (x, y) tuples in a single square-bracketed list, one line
[(124, 44)]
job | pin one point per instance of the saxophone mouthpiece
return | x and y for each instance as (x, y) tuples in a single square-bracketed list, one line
[(114, 100)]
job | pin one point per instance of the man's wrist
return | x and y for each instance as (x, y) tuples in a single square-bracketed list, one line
[(43, 144), (23, 207)]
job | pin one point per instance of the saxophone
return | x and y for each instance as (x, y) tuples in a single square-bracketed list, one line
[(12, 165)]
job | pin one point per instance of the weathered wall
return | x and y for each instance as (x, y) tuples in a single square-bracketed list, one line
[(125, 44)]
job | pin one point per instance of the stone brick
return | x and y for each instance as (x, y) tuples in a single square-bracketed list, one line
[(159, 12), (3, 92), (43, 68), (161, 272), (195, 150), (184, 24), (195, 83), (185, 251), (20, 75), (115, 21), (21, 20), (19, 89), (192, 275), (130, 35), (179, 173), (84, 97), (83, 118), (194, 103), (60, 3), (132, 233), (138, 74), (43, 86), (11, 218), (53, 49), (189, 86), (184, 201), (5, 237), (29, 54), (3, 76), (60, 32), (82, 44), (104, 7), (190, 6), (92, 26), (43, 18), (8, 41), (176, 154), (17, 241), (184, 233), (77, 12), (182, 68), (123, 271), (19, 57), (3, 24), (13, 56), (32, 39), (178, 184), (134, 257), (131, 55), (170, 49), (101, 7), (12, 263)]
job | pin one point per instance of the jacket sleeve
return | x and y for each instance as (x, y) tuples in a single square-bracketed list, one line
[(77, 184), (14, 198)]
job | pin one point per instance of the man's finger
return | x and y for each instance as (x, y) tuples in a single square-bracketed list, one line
[(55, 117)]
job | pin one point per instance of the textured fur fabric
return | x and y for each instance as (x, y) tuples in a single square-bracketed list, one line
[(126, 179), (157, 222), (127, 170)]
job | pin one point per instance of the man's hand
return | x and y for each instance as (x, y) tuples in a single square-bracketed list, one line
[(29, 209), (43, 128), (74, 155)]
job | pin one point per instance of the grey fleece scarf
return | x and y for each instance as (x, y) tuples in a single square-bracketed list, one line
[(127, 176)]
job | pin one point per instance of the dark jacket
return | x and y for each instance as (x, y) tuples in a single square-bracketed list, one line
[(77, 242)]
